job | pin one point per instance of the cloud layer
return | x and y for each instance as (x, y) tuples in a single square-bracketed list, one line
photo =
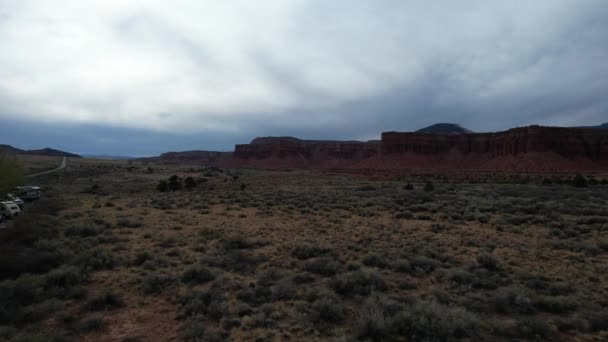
[(310, 67)]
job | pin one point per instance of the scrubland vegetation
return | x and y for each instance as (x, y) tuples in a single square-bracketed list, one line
[(257, 256)]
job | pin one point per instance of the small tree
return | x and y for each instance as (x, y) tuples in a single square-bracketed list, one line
[(429, 186), (11, 173), (243, 186), (408, 186), (579, 181), (189, 183), (175, 183), (162, 186)]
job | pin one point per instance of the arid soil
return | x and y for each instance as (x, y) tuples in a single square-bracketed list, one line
[(275, 256)]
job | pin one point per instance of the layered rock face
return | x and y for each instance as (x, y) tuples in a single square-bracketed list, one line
[(566, 142), (526, 149), (210, 158), (288, 152)]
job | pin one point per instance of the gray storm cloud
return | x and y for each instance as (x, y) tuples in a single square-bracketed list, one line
[(316, 66)]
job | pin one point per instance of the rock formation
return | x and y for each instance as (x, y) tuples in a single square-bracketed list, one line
[(524, 149)]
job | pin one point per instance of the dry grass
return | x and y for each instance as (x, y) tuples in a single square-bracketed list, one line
[(303, 256)]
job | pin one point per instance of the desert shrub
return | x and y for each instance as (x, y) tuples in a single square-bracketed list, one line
[(91, 324), (175, 183), (155, 283), (96, 259), (328, 309), (402, 266), (579, 181), (406, 215), (309, 251), (189, 183), (197, 275), (374, 323), (429, 186), (489, 262), (558, 304), (531, 328), (193, 331), (408, 186), (141, 257), (513, 300), (322, 266), (598, 320), (209, 303), (63, 277), (440, 227), (128, 223), (284, 290), (431, 321), (358, 282), (269, 276), (17, 294), (256, 295), (375, 260), (234, 260), (239, 242), (104, 300), (420, 265), (82, 231), (17, 259)]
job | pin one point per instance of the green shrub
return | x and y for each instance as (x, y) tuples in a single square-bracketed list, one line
[(513, 300), (489, 262), (91, 324), (579, 181), (376, 318), (175, 183), (308, 251), (104, 300), (189, 183), (429, 186), (375, 260), (155, 283), (197, 275), (598, 321), (431, 321), (162, 186), (96, 259), (328, 309), (358, 282), (323, 266)]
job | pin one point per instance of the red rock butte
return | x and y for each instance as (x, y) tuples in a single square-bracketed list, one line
[(524, 149)]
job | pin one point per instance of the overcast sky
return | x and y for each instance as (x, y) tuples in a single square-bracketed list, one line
[(141, 77)]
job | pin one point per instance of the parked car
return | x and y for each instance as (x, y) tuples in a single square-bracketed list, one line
[(9, 209), (18, 201), (28, 193)]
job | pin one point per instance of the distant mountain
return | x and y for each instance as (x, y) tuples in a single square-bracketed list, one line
[(108, 157), (43, 152), (602, 126), (8, 149), (445, 128)]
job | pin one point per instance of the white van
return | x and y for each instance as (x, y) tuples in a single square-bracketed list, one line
[(18, 201), (9, 209)]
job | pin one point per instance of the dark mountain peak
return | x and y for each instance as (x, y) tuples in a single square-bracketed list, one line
[(8, 149), (445, 128)]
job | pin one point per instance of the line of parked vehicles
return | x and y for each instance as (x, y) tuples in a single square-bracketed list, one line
[(13, 204)]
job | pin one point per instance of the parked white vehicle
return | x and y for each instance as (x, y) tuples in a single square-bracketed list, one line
[(9, 209), (18, 201)]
